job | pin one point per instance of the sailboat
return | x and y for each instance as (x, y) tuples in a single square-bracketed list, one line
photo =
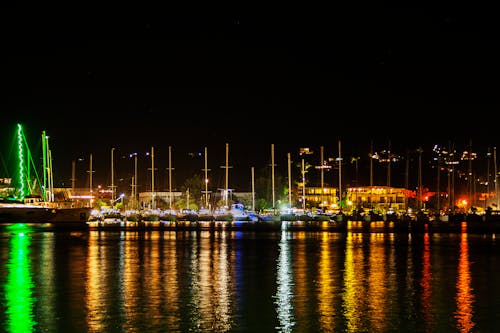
[(40, 208)]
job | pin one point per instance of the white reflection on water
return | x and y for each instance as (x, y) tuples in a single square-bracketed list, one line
[(284, 293), (211, 283), (222, 278)]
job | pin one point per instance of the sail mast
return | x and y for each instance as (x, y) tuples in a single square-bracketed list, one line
[(44, 158), (227, 175), (253, 189), (170, 178), (112, 176), (289, 181), (496, 176), (272, 175), (340, 175), (206, 178), (322, 164), (152, 178)]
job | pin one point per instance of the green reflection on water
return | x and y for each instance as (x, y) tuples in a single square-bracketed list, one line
[(18, 288)]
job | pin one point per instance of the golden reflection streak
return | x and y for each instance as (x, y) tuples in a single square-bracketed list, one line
[(171, 281), (155, 288), (131, 287), (205, 282), (284, 282), (221, 275), (464, 297), (202, 258), (378, 282), (426, 284), (354, 291), (96, 314), (327, 288)]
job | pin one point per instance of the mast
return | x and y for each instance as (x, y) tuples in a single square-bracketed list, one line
[(226, 189), (322, 177), (73, 176), (340, 174), (22, 185), (303, 185), (438, 180), (170, 177), (289, 181), (469, 176), (90, 179), (272, 175), (133, 185), (371, 164), (450, 168), (496, 176), (253, 189), (407, 176), (206, 177), (50, 174), (44, 157), (112, 177), (152, 178), (389, 165), (133, 193), (419, 150), (488, 176), (227, 175), (48, 179)]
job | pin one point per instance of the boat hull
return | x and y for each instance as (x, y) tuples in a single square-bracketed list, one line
[(45, 217)]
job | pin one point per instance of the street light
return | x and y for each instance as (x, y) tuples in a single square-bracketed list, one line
[(120, 197)]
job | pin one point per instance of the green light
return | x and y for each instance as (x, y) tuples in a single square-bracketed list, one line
[(18, 228), (22, 188), (18, 289)]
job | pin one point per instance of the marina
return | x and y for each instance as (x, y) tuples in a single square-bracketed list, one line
[(310, 208), (294, 169), (233, 281), (334, 223)]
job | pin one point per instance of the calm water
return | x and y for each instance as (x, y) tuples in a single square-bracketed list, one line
[(220, 281)]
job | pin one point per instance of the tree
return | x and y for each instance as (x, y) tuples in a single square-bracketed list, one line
[(194, 186)]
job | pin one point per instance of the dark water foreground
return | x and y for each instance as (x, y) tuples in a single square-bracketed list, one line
[(243, 281)]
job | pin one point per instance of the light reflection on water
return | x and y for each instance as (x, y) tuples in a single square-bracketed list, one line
[(18, 288), (464, 297), (226, 281), (284, 282)]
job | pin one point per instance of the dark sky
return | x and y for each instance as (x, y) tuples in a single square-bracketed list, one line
[(132, 78)]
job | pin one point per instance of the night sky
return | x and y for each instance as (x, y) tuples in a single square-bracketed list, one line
[(132, 78)]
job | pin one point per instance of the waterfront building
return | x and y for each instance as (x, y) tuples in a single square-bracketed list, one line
[(377, 198), (325, 198)]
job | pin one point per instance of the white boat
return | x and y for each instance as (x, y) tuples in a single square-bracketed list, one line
[(236, 212)]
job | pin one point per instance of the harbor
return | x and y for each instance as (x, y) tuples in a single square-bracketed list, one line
[(305, 200), (460, 223)]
